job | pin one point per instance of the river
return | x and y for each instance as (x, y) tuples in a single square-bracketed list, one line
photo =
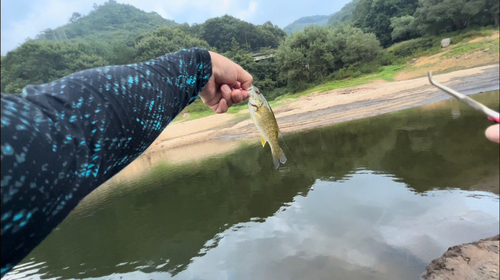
[(374, 198)]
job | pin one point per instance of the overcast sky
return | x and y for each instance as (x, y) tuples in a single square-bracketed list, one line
[(26, 18)]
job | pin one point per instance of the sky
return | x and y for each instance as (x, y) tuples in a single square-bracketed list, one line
[(21, 19)]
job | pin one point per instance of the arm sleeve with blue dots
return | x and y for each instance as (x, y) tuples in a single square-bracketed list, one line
[(63, 139)]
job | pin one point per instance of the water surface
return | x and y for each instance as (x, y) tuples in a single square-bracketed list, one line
[(376, 198)]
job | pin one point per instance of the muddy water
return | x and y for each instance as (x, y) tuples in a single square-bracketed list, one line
[(376, 198)]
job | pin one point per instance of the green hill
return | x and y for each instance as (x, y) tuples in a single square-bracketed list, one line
[(110, 21), (302, 22), (344, 15)]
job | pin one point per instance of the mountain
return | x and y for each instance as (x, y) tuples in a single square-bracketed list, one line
[(344, 15), (110, 21), (302, 22)]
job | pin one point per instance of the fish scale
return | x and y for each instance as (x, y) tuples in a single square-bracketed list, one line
[(263, 117)]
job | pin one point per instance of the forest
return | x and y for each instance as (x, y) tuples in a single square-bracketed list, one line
[(359, 39)]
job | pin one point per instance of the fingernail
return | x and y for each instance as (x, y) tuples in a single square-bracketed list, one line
[(225, 89)]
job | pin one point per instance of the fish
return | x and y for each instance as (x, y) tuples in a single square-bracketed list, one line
[(263, 117)]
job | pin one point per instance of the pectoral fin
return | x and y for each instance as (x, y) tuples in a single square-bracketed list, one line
[(262, 141)]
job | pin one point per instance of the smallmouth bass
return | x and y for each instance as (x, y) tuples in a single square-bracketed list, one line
[(263, 117)]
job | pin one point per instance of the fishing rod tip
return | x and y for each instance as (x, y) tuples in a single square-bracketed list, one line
[(429, 74)]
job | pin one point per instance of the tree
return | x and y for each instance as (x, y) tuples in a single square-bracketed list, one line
[(264, 73), (344, 15), (163, 41), (437, 16), (309, 56), (109, 21), (220, 31), (403, 28), (192, 30), (374, 16), (240, 56), (306, 56), (74, 17), (360, 47), (37, 62)]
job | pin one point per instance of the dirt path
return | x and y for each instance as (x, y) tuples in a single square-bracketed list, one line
[(317, 110)]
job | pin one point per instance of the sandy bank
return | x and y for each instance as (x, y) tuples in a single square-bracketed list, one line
[(323, 109)]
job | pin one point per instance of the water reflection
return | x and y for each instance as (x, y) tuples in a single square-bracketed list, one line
[(390, 194), (365, 228)]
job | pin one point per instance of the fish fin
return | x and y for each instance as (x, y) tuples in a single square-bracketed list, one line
[(262, 141), (278, 157)]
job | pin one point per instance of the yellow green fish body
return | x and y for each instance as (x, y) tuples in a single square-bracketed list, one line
[(263, 118)]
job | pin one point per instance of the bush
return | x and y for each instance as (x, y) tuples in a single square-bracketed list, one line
[(197, 106), (410, 47), (343, 73), (275, 93), (386, 58), (471, 34)]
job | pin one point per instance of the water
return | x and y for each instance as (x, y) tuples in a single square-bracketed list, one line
[(377, 198)]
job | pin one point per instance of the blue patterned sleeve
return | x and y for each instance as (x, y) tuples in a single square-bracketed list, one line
[(62, 140)]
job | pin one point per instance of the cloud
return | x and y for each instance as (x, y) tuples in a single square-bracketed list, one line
[(40, 16), (190, 11), (368, 226), (248, 13)]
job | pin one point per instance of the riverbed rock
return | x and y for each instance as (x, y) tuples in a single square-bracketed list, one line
[(472, 261), (445, 42)]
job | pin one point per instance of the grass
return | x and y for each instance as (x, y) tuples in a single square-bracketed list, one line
[(236, 108), (386, 73), (242, 116), (194, 115), (427, 46), (459, 36), (486, 45)]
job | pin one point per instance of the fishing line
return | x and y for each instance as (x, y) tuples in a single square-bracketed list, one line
[(293, 156)]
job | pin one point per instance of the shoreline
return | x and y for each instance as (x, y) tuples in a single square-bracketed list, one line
[(326, 108), (195, 140)]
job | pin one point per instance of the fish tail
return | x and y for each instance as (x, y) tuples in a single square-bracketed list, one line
[(278, 157)]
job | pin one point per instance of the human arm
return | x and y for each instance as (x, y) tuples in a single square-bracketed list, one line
[(62, 140)]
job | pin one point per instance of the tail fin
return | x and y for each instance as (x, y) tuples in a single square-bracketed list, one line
[(278, 156)]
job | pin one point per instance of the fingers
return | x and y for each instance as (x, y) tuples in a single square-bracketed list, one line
[(227, 94), (222, 107), (227, 86), (492, 133), (244, 78), (228, 72), (230, 97)]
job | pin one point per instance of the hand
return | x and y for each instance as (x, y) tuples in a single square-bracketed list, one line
[(492, 133), (227, 86)]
